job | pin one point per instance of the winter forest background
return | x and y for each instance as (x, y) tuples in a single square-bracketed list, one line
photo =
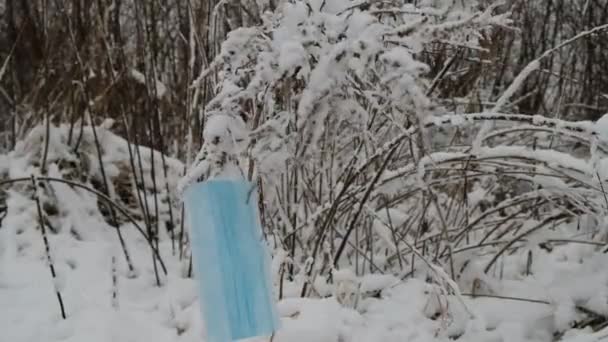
[(428, 170)]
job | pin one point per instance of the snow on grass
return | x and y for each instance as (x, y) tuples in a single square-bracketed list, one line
[(531, 305), (171, 313)]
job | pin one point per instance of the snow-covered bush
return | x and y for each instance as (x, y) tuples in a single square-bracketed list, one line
[(361, 168), (332, 92)]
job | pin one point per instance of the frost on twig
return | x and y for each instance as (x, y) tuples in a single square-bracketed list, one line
[(224, 139)]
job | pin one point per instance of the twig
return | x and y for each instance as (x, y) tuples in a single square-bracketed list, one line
[(47, 246)]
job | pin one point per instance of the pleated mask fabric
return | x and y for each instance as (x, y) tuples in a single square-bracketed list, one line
[(231, 260)]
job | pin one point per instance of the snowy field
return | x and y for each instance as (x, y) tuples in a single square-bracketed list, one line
[(408, 311), (562, 291)]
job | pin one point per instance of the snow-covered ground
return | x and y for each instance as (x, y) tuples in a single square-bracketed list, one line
[(555, 292), (545, 299), (408, 311)]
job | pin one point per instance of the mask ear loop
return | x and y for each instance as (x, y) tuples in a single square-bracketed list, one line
[(233, 156), (255, 185), (250, 192)]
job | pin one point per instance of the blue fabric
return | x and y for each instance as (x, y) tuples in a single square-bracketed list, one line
[(231, 260)]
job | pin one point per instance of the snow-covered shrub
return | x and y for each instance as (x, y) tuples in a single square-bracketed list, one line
[(361, 167), (332, 92)]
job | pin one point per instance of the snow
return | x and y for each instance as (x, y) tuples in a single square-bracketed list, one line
[(161, 89), (366, 307), (148, 313), (224, 135), (516, 85), (601, 126), (292, 56)]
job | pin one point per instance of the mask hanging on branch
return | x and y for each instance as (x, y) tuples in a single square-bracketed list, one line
[(231, 260)]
